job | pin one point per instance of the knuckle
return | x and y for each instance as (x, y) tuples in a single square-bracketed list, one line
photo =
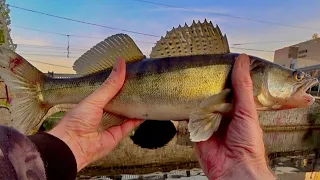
[(243, 82), (244, 113), (112, 83)]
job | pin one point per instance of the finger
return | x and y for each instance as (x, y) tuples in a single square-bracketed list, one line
[(241, 81), (110, 86), (118, 132), (129, 125)]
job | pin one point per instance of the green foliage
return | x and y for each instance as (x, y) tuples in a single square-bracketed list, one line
[(53, 120), (4, 103)]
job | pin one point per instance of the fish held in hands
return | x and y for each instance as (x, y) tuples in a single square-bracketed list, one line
[(188, 76)]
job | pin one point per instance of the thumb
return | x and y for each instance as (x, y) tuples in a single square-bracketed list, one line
[(242, 86), (110, 87)]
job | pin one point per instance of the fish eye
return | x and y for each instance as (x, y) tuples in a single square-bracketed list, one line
[(298, 75)]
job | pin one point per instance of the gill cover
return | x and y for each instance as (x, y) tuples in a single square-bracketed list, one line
[(280, 82)]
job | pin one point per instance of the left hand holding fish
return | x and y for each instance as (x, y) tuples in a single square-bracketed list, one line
[(78, 128), (237, 151)]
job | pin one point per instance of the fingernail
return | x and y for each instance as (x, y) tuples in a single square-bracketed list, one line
[(244, 63)]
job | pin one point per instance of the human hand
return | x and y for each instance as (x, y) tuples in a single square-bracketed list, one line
[(239, 151), (79, 127)]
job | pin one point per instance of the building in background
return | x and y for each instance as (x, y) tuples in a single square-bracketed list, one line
[(304, 56), (299, 55)]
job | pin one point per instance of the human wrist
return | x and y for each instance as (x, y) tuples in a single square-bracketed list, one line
[(70, 141), (248, 169)]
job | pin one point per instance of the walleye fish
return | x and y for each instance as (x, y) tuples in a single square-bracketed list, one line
[(186, 77)]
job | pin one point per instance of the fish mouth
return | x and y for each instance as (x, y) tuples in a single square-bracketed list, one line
[(310, 84)]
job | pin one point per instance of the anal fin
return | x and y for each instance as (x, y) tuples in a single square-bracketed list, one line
[(205, 120), (109, 120)]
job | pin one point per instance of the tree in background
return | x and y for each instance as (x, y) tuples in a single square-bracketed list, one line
[(5, 41)]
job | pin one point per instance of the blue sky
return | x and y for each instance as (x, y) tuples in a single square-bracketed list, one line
[(155, 19)]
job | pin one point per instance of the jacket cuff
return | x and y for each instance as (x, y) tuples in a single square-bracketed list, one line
[(57, 157)]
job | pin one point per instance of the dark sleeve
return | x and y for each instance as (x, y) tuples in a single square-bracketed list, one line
[(57, 157), (40, 156)]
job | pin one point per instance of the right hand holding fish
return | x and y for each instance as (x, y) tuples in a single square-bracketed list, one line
[(78, 128), (239, 150)]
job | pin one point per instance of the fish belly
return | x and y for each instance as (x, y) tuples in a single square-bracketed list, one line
[(170, 95)]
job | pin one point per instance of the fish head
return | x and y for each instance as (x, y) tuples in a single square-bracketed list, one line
[(298, 97), (277, 87)]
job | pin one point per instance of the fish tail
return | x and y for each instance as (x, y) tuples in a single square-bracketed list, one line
[(25, 83)]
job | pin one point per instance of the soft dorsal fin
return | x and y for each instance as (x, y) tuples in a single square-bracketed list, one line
[(198, 39), (103, 55)]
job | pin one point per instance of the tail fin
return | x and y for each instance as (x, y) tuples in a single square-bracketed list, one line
[(25, 82)]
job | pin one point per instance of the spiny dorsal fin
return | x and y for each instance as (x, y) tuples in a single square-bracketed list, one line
[(103, 55), (198, 39)]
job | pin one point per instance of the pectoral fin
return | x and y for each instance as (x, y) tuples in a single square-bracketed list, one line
[(214, 100), (109, 120), (204, 121)]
